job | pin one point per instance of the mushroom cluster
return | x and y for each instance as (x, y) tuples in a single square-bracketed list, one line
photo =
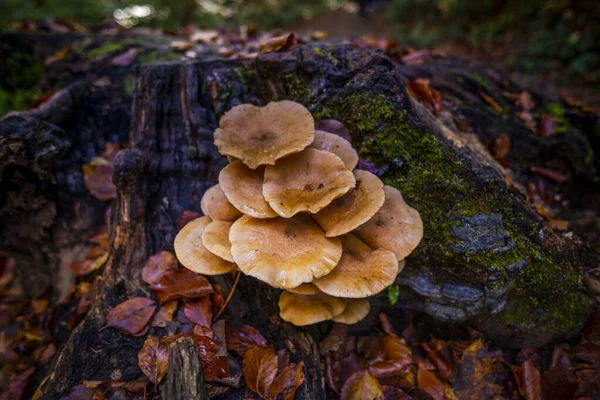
[(292, 210)]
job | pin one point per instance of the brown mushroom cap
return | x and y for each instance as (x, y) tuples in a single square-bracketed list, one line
[(307, 181), (243, 187), (359, 273), (396, 226), (215, 205), (216, 239), (337, 145), (305, 288), (356, 310), (192, 254), (302, 309), (355, 207), (283, 252), (262, 135)]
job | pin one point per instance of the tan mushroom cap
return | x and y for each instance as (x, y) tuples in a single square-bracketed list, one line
[(262, 135), (283, 252), (215, 205), (360, 273), (355, 207), (216, 239), (192, 254), (302, 309), (305, 288), (243, 187), (307, 181), (356, 310), (337, 145), (396, 226)]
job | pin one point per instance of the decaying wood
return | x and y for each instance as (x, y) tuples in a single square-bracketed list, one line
[(185, 379)]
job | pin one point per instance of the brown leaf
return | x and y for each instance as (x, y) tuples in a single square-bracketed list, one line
[(278, 43), (422, 92), (346, 367), (164, 314), (260, 367), (213, 362), (490, 100), (559, 383), (178, 283), (125, 59), (19, 384), (439, 360), (334, 126), (198, 311), (428, 382), (395, 348), (286, 383), (153, 359), (548, 173), (132, 315), (526, 101), (416, 57), (187, 216), (571, 101), (182, 45), (528, 121), (387, 45), (394, 393), (558, 224), (334, 341), (97, 176), (500, 146), (243, 339), (529, 381), (157, 265), (283, 360), (475, 376), (200, 330), (388, 368), (361, 386), (82, 268), (547, 125)]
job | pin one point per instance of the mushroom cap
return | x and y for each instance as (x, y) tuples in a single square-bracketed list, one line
[(307, 181), (243, 187), (354, 208), (215, 205), (216, 239), (305, 288), (192, 254), (396, 226), (283, 252), (262, 135), (337, 145), (303, 309), (356, 310), (359, 273)]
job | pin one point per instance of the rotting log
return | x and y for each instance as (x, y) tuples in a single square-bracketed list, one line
[(185, 379), (486, 258)]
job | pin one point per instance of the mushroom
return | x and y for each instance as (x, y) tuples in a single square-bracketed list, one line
[(262, 135), (215, 205), (283, 252), (243, 187), (307, 181), (305, 288), (356, 310), (396, 226), (192, 254), (354, 208), (360, 272), (216, 239), (303, 309), (337, 145)]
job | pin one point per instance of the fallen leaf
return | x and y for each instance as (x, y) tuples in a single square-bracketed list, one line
[(416, 57), (500, 146), (278, 43), (334, 126), (439, 360), (547, 125), (427, 381), (19, 384), (559, 383), (59, 55), (187, 216), (528, 120), (548, 173), (126, 58), (157, 265), (214, 363), (475, 376), (182, 45), (394, 393), (132, 315), (490, 100), (558, 224), (571, 101), (395, 348), (528, 380), (346, 367), (387, 45), (153, 359), (422, 92), (97, 176), (286, 383), (178, 283), (361, 386), (260, 368), (243, 339), (198, 311), (204, 36), (200, 330), (164, 314), (82, 268), (526, 101)]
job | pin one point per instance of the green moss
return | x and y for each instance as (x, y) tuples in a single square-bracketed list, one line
[(192, 151), (483, 82), (325, 53), (105, 48), (296, 88), (244, 75), (21, 76), (17, 100), (156, 56), (557, 111), (128, 84)]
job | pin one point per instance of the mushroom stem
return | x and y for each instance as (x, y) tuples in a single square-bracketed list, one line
[(237, 279)]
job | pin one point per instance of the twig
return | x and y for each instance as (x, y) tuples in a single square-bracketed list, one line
[(237, 279)]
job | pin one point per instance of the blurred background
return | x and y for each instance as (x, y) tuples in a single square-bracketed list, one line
[(551, 40)]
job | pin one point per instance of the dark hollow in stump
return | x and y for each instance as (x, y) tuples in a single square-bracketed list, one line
[(185, 379), (486, 257)]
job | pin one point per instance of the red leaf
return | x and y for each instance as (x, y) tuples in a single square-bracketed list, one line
[(153, 359), (260, 367), (164, 314), (560, 383), (157, 265), (428, 382), (243, 339), (421, 91), (279, 43), (178, 283), (198, 311), (132, 315), (439, 360), (334, 126), (361, 386), (286, 383), (528, 380), (214, 364), (97, 176)]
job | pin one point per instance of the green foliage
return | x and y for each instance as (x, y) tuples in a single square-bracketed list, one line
[(393, 294)]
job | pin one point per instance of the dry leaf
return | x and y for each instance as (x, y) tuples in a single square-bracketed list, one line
[(334, 126), (547, 125), (157, 265), (286, 383), (125, 59), (362, 386), (279, 43), (132, 315), (81, 268), (164, 314), (243, 339), (198, 311), (214, 363), (475, 377), (97, 176), (529, 381), (428, 382), (187, 216), (178, 283), (153, 359), (260, 368), (500, 146), (490, 100), (422, 92), (548, 173), (527, 120), (182, 45), (439, 360)]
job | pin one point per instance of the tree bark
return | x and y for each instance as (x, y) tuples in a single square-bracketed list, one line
[(185, 379)]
